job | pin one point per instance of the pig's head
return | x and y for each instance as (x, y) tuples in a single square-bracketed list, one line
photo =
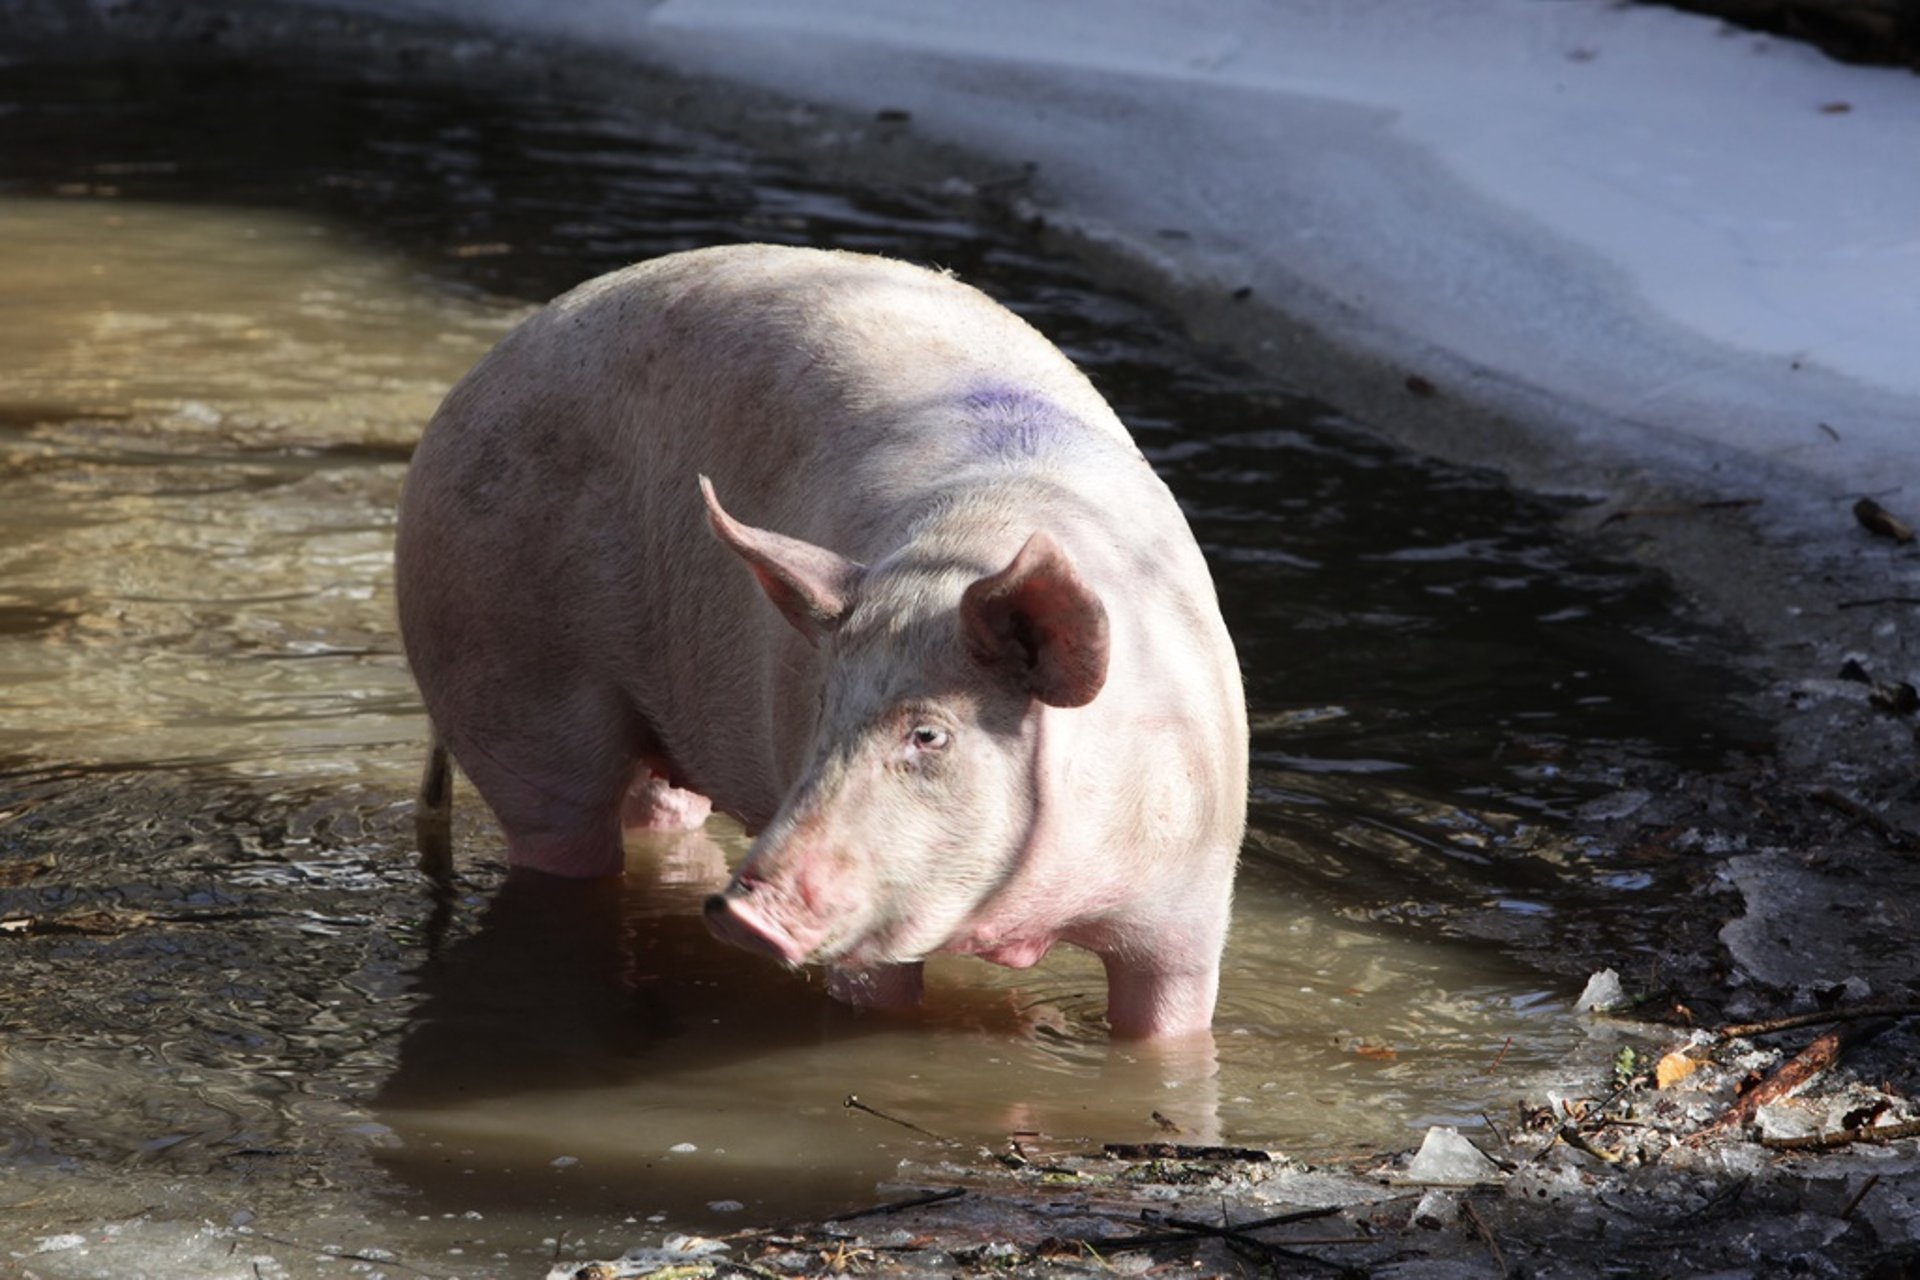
[(925, 789)]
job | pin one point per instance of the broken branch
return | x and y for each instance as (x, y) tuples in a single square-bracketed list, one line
[(1480, 1228), (853, 1103), (1797, 1071), (1854, 1013), (897, 1206), (1845, 1138)]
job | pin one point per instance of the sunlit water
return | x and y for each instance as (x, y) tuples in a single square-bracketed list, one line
[(221, 328)]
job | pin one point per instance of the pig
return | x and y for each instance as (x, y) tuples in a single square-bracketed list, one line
[(949, 648)]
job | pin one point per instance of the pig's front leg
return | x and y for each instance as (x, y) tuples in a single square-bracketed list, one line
[(1147, 999), (882, 986)]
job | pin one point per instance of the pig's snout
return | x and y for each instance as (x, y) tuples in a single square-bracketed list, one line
[(745, 917)]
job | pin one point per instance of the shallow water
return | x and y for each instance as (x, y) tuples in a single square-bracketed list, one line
[(234, 294)]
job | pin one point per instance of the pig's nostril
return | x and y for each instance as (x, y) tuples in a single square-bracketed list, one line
[(715, 906)]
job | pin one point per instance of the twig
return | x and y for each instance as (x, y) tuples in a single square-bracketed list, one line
[(1845, 1138), (1719, 504), (1472, 1215), (915, 1202), (1499, 1057), (1768, 1026), (1567, 1129), (1726, 1199), (1238, 1236), (1571, 1135), (1185, 1230), (343, 1255), (1796, 1071), (1298, 1215), (1894, 836), (1872, 1181), (1874, 601), (853, 1103)]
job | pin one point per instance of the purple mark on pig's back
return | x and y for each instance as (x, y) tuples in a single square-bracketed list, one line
[(1011, 420)]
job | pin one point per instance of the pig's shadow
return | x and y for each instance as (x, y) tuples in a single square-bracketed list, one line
[(570, 983)]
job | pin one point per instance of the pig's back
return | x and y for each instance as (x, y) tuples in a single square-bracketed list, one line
[(814, 371)]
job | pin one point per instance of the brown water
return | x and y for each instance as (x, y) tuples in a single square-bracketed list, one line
[(229, 298)]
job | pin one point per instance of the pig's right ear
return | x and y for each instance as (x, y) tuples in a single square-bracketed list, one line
[(813, 587), (1040, 624)]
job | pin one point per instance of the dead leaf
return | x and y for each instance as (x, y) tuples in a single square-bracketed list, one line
[(15, 874), (1876, 519), (90, 922), (1674, 1068), (1378, 1052)]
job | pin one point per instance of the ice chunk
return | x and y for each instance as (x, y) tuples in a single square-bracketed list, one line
[(1435, 1210), (1448, 1159), (1603, 992)]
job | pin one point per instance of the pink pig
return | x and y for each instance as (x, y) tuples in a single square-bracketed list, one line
[(992, 705)]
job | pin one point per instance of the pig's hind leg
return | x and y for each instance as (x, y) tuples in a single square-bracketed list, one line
[(558, 782)]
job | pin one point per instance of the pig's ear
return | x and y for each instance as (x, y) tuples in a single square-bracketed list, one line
[(1039, 622), (812, 586)]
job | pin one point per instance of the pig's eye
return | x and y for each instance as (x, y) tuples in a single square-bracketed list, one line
[(927, 737)]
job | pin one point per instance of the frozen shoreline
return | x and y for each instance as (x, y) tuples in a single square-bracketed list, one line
[(1676, 253)]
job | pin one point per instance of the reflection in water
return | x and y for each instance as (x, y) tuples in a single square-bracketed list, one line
[(589, 1038), (222, 331), (598, 1025)]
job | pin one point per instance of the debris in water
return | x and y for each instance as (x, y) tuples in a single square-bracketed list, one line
[(1876, 519)]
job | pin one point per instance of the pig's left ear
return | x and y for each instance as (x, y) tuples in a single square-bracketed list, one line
[(1039, 622), (813, 587)]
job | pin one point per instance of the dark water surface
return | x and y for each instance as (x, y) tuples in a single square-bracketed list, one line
[(229, 298)]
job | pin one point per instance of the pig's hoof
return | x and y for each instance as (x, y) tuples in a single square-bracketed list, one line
[(657, 805)]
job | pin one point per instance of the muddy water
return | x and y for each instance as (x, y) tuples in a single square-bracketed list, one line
[(229, 298)]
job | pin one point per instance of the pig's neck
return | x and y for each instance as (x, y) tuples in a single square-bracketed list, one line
[(1048, 897)]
